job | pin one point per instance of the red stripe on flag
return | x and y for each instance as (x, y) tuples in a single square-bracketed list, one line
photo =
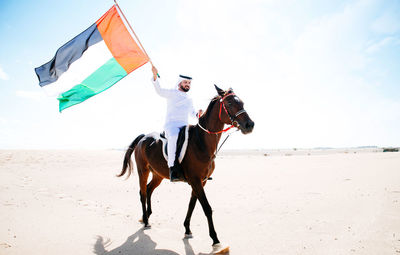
[(120, 42)]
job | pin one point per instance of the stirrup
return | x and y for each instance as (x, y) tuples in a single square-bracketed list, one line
[(207, 179)]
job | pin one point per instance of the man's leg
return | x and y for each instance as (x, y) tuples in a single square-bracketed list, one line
[(171, 148), (172, 137)]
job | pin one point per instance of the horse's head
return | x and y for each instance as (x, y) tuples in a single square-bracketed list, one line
[(234, 112)]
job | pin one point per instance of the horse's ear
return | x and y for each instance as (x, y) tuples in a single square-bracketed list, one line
[(230, 90), (220, 91)]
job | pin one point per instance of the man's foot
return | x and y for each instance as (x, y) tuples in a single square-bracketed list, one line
[(174, 174)]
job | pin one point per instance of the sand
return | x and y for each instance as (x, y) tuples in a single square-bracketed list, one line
[(70, 202)]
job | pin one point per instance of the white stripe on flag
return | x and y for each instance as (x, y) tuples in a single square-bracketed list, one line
[(93, 58)]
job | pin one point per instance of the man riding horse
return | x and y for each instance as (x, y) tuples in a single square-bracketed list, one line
[(198, 164), (179, 107)]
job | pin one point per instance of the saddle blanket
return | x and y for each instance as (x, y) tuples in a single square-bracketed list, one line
[(181, 145)]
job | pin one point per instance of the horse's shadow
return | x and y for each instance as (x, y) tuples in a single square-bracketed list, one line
[(139, 243)]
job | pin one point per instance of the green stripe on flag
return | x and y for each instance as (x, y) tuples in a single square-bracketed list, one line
[(103, 78)]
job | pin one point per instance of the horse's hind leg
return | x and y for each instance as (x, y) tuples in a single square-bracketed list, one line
[(143, 176), (192, 204), (155, 181)]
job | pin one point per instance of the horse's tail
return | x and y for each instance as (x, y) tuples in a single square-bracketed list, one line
[(127, 158)]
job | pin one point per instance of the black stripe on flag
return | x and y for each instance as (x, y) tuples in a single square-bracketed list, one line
[(66, 55)]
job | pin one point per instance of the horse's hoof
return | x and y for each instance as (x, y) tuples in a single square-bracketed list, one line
[(217, 246), (146, 226), (218, 249), (188, 236)]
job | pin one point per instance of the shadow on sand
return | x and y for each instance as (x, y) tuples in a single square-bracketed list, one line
[(139, 243)]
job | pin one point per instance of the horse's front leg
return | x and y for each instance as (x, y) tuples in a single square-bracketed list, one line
[(192, 204), (201, 196)]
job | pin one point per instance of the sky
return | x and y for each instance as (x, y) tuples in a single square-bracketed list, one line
[(310, 73)]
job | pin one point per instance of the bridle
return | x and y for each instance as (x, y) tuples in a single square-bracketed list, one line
[(233, 119)]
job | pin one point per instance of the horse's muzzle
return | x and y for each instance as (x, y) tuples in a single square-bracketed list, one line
[(247, 127)]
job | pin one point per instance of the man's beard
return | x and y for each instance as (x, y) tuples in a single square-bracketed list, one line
[(184, 89)]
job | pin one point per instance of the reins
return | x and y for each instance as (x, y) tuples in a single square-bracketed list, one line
[(215, 133), (223, 143)]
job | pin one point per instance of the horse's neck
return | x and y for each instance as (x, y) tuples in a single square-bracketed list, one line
[(212, 123)]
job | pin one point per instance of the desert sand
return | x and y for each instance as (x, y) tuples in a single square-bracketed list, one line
[(71, 202)]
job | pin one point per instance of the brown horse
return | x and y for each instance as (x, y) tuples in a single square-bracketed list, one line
[(198, 163)]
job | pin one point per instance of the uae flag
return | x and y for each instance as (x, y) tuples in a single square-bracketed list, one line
[(92, 62)]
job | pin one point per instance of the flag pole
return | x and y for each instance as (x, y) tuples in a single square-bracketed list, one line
[(137, 38)]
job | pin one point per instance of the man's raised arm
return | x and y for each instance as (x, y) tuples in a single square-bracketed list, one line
[(161, 91)]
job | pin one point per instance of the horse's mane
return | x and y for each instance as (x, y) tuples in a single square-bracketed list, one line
[(213, 101), (210, 105)]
